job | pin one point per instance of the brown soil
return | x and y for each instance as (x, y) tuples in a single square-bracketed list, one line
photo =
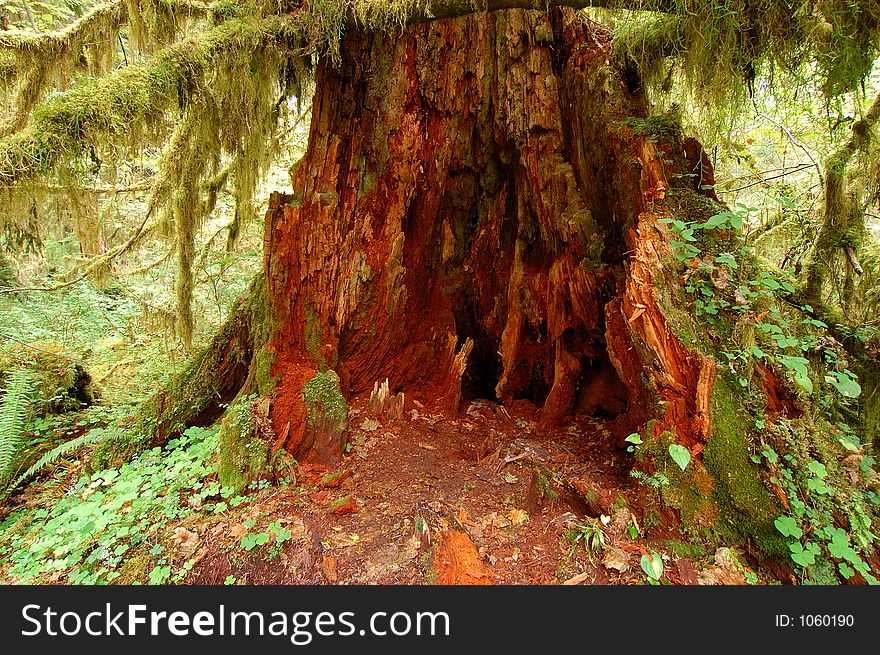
[(483, 498)]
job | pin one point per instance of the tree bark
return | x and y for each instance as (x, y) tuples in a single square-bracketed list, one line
[(473, 216)]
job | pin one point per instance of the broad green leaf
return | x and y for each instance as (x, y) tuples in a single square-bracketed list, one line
[(680, 455), (652, 565), (788, 527), (817, 469), (845, 383), (799, 555), (728, 260), (804, 381)]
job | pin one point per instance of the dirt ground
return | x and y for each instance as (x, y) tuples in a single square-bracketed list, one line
[(484, 498)]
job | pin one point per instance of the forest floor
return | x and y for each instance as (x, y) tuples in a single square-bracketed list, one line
[(486, 498)]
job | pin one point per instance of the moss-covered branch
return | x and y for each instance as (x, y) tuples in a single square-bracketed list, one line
[(49, 44), (111, 109), (113, 13), (40, 61), (842, 215)]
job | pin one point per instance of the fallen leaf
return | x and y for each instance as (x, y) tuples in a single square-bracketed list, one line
[(580, 577), (616, 558), (517, 516), (238, 531), (186, 540), (686, 571)]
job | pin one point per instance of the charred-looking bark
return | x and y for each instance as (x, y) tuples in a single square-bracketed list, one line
[(472, 216)]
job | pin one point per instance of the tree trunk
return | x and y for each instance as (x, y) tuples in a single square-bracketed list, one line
[(474, 215)]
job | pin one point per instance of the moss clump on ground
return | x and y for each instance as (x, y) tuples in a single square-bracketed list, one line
[(61, 383), (243, 454), (685, 549), (324, 400)]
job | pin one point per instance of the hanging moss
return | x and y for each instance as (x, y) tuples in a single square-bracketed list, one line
[(51, 60), (105, 110), (193, 396), (723, 46)]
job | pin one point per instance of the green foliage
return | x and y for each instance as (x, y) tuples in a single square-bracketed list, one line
[(820, 494), (635, 439), (107, 527), (652, 565), (243, 448), (324, 400), (14, 408), (656, 480), (723, 47), (746, 509), (62, 450), (274, 533), (680, 455), (588, 533), (665, 126)]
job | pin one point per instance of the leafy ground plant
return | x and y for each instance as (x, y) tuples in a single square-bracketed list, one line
[(113, 517)]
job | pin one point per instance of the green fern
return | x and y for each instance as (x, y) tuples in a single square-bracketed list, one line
[(14, 407), (57, 453)]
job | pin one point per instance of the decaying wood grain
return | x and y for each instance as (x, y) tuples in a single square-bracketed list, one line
[(457, 562), (473, 213)]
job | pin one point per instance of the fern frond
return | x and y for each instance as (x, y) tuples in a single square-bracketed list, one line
[(14, 407), (57, 453)]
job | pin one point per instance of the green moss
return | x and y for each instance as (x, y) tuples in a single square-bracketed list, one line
[(545, 487), (659, 126), (543, 32), (747, 510), (689, 491), (313, 334), (685, 549), (243, 455), (135, 568), (870, 404), (191, 395), (324, 400), (339, 502), (262, 371), (61, 383)]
